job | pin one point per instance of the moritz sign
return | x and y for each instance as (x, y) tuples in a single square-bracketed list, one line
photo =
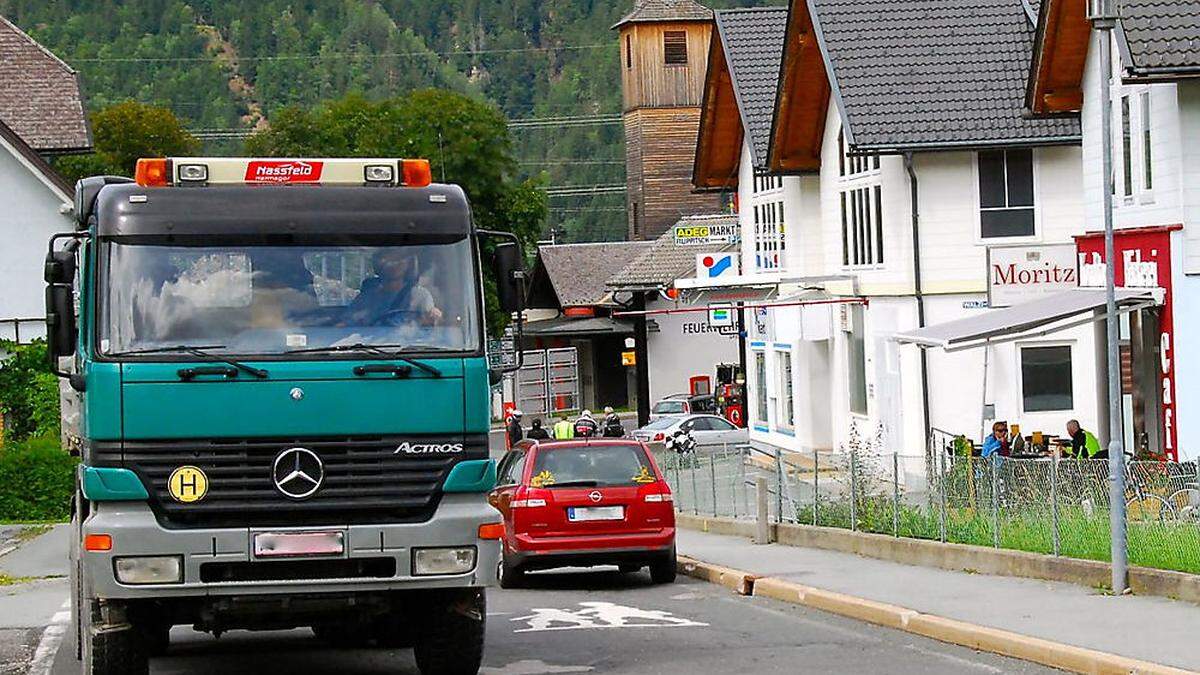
[(1019, 274)]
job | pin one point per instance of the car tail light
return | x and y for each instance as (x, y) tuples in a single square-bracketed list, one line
[(659, 497), (528, 503), (659, 436)]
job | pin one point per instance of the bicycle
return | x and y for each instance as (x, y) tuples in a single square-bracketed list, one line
[(1142, 505)]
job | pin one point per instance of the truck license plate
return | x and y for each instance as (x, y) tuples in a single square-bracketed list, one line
[(578, 514), (293, 544)]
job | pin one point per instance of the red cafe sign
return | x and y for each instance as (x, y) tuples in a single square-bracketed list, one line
[(1145, 262)]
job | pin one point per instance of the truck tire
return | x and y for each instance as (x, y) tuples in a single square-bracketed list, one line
[(112, 649), (663, 571), (450, 639), (393, 630)]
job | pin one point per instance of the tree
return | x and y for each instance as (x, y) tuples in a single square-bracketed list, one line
[(125, 132), (465, 139)]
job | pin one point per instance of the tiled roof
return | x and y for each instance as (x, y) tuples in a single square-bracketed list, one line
[(1161, 34), (647, 11), (578, 272), (753, 43), (666, 261), (926, 74), (39, 94)]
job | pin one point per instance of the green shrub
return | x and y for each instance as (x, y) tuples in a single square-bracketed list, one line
[(37, 480), (28, 392)]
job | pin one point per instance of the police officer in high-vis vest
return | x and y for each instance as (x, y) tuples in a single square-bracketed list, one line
[(1084, 444), (564, 430)]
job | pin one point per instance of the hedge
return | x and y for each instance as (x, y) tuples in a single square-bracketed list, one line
[(37, 480), (28, 391)]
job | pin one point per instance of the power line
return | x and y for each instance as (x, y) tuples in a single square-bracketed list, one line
[(525, 123), (583, 190), (342, 55)]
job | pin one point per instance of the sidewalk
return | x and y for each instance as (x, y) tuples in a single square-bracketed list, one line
[(1157, 630)]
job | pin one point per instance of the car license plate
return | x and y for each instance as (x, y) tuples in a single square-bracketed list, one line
[(294, 544), (578, 514)]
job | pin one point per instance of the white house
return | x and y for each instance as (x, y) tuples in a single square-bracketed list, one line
[(1156, 193), (855, 127), (41, 114)]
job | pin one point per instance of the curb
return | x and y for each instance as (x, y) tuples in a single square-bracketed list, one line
[(952, 631)]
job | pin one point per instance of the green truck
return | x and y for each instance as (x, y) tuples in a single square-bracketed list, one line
[(284, 405)]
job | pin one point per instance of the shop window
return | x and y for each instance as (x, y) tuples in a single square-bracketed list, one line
[(857, 347), (1006, 193), (760, 382), (1046, 382), (675, 49), (785, 415)]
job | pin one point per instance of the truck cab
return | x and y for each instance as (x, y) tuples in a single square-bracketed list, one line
[(284, 402)]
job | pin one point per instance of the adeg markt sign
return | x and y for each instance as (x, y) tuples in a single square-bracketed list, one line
[(1019, 274), (700, 234)]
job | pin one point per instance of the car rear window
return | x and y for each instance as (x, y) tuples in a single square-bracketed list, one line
[(592, 466), (668, 407)]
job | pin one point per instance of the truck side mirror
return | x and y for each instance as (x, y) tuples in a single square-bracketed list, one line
[(61, 332), (510, 276), (60, 267)]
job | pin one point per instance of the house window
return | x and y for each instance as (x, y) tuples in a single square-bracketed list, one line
[(1006, 193), (785, 414), (628, 52), (1126, 148), (862, 226), (768, 222), (1147, 154), (675, 52), (857, 348), (854, 165), (1046, 379), (760, 379)]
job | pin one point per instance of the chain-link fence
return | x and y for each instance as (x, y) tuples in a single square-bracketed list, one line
[(1047, 505)]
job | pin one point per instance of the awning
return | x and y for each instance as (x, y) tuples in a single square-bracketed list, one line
[(731, 294), (566, 327), (1049, 314)]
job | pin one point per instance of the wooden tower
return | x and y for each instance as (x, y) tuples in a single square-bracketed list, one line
[(664, 54)]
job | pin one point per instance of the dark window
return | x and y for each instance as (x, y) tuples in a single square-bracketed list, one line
[(1046, 379), (1147, 155), (628, 52), (675, 48), (1006, 193), (1126, 147), (760, 375)]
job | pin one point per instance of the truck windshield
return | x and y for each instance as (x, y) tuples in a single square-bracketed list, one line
[(270, 300)]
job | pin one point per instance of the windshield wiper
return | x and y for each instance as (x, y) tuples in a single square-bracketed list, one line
[(381, 350), (201, 351), (575, 483)]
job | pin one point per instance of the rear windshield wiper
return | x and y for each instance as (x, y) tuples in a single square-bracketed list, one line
[(382, 350), (575, 483), (198, 350)]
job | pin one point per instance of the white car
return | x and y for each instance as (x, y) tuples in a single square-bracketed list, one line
[(706, 429)]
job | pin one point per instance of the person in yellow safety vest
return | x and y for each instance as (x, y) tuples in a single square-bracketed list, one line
[(1084, 444), (564, 430)]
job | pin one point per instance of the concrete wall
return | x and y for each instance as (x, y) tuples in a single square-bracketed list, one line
[(684, 346), (29, 216)]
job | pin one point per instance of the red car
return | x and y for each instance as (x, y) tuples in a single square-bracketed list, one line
[(582, 503)]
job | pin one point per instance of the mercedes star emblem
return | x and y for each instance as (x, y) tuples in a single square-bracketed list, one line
[(298, 473), (595, 496)]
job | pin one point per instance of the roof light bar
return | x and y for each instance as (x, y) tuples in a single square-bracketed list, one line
[(289, 171)]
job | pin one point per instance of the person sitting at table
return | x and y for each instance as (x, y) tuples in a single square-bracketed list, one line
[(1084, 444), (998, 442)]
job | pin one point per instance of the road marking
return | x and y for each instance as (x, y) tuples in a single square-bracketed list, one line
[(533, 668), (51, 640), (600, 615)]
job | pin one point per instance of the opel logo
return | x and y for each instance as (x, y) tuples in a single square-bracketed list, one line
[(298, 473), (595, 496)]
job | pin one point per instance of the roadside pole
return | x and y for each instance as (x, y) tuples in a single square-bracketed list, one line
[(1103, 16)]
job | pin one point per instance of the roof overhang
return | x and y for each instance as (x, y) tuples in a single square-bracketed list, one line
[(570, 327), (1060, 49), (802, 101), (35, 164), (1051, 314), (722, 128)]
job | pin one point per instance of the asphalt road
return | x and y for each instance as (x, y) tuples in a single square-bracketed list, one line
[(605, 622)]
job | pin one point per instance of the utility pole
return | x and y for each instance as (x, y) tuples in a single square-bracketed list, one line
[(1104, 19)]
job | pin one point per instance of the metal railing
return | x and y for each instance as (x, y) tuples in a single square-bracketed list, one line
[(11, 329), (1051, 506)]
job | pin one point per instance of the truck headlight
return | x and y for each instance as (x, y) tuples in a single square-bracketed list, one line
[(161, 569), (431, 561)]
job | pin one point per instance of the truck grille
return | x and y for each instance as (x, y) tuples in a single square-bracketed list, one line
[(365, 480)]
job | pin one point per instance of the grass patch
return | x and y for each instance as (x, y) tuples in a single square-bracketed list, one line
[(31, 532), (9, 580)]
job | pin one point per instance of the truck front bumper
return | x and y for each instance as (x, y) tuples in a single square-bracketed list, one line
[(136, 532)]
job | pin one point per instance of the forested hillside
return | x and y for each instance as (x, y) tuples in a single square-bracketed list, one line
[(226, 64)]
